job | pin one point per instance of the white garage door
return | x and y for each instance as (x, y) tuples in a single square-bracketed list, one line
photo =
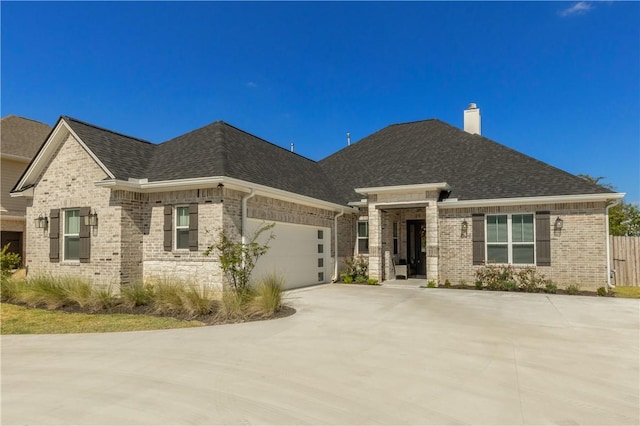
[(299, 253)]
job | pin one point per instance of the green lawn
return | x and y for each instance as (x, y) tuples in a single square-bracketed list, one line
[(628, 292), (20, 320)]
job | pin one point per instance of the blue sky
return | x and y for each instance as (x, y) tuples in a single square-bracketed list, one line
[(559, 81)]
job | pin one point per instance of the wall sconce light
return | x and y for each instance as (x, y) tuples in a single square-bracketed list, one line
[(91, 219), (558, 224), (41, 222), (464, 229)]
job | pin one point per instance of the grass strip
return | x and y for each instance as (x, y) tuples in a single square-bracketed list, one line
[(21, 320), (627, 292)]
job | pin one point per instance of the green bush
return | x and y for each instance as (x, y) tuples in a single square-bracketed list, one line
[(372, 281), (447, 283), (551, 288), (602, 291), (356, 267), (347, 279), (573, 289), (478, 284), (268, 295), (8, 261), (531, 281), (509, 286), (431, 284), (360, 279)]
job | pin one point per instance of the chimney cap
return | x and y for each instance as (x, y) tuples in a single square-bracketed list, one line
[(472, 105)]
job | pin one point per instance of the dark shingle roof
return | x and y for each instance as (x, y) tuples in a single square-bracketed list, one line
[(22, 136), (429, 151), (220, 149), (432, 151), (124, 156)]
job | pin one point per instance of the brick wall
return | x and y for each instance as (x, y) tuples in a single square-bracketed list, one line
[(68, 182), (578, 252)]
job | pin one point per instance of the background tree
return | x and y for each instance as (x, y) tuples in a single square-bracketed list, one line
[(624, 219)]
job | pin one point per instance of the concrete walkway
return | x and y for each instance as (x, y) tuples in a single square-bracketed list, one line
[(350, 355)]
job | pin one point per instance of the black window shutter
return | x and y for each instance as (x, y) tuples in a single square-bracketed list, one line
[(543, 239), (168, 228), (85, 236), (477, 234), (54, 235), (193, 226)]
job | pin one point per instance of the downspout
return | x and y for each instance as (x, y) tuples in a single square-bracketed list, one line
[(606, 217), (243, 213), (335, 246)]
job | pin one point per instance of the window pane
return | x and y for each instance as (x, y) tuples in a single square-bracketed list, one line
[(497, 229), (497, 254), (522, 227), (363, 229), (363, 245), (182, 238), (523, 254), (182, 214), (72, 222), (395, 229), (71, 248)]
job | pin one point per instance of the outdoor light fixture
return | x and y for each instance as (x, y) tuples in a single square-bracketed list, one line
[(91, 219), (41, 221), (558, 224), (464, 229)]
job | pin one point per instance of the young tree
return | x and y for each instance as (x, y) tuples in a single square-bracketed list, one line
[(237, 260), (624, 219)]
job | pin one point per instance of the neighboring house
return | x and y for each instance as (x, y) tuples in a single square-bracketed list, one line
[(20, 140), (444, 201)]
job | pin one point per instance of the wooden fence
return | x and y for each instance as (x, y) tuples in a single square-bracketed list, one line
[(625, 259)]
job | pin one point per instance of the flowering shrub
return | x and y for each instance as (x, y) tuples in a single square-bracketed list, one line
[(357, 269), (505, 278)]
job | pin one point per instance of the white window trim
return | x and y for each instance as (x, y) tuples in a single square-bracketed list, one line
[(510, 243), (65, 235), (176, 227), (358, 237)]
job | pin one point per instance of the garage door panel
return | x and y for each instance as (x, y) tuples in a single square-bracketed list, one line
[(293, 254)]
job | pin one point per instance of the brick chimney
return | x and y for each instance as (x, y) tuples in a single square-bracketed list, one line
[(472, 119)]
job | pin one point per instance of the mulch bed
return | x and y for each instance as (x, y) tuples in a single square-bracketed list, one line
[(211, 319), (559, 291)]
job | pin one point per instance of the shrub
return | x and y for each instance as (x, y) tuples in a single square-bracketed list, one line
[(550, 288), (431, 284), (356, 267), (102, 299), (463, 283), (531, 281), (478, 284), (602, 291), (166, 298), (573, 289), (196, 301), (494, 277), (347, 279), (372, 281), (509, 286), (136, 294), (79, 291), (447, 283), (8, 261), (232, 305), (268, 295), (360, 279)]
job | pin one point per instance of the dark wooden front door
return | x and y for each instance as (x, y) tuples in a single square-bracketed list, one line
[(416, 247)]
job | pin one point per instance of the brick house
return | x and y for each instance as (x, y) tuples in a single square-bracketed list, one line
[(439, 199), (20, 139)]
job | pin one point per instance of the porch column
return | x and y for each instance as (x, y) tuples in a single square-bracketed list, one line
[(431, 219), (375, 243)]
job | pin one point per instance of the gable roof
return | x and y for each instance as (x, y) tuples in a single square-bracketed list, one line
[(124, 156), (432, 151), (22, 137)]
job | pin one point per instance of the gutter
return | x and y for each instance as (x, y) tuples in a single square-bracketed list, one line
[(335, 246), (606, 217)]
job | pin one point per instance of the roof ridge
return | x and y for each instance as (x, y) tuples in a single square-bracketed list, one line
[(266, 141), (413, 122), (66, 117), (25, 118)]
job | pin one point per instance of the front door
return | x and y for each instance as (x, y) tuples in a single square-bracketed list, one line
[(417, 247)]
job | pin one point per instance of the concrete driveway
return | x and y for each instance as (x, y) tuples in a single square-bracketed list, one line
[(350, 355)]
